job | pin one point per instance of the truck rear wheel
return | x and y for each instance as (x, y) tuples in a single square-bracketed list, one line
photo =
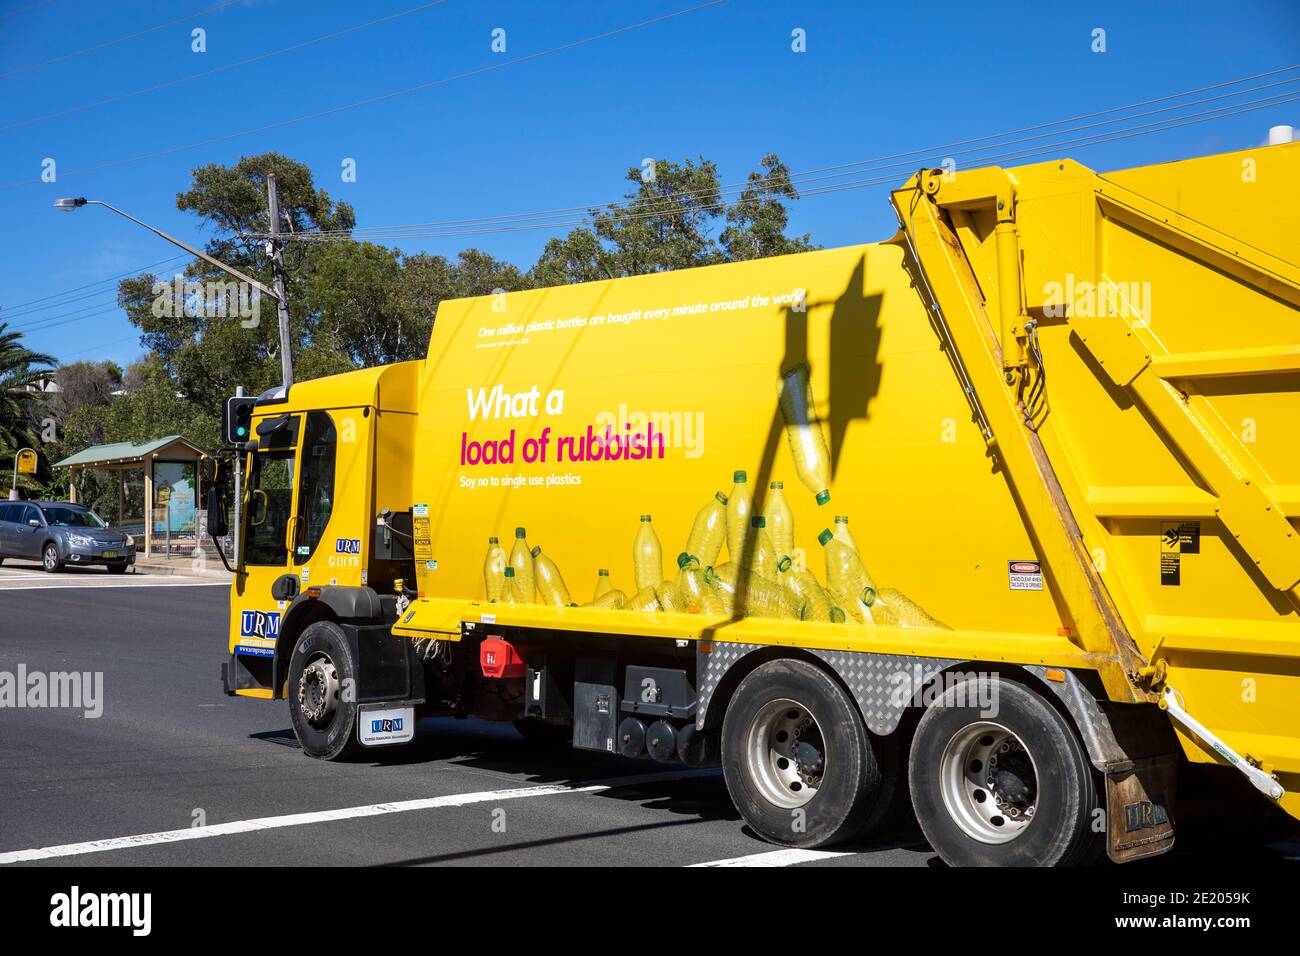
[(1007, 785), (796, 756), (324, 718)]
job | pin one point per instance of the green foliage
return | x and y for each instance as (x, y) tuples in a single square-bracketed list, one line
[(22, 373)]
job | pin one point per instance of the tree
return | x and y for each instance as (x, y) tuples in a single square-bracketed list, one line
[(22, 375), (756, 224)]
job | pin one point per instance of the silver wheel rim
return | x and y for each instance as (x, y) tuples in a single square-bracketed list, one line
[(51, 559), (989, 783), (787, 753), (318, 690)]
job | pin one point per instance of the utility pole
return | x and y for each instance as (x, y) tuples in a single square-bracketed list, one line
[(277, 270)]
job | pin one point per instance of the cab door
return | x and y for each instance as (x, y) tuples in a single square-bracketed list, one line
[(269, 518)]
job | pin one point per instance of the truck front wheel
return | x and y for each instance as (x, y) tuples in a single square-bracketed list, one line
[(796, 756), (321, 671), (999, 778)]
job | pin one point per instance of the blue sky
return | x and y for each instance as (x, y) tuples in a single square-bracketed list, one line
[(559, 130)]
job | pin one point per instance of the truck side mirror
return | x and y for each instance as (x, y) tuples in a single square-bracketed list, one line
[(217, 526)]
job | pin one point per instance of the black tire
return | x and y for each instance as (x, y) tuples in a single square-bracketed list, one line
[(1065, 795), (333, 736), (50, 559), (850, 781)]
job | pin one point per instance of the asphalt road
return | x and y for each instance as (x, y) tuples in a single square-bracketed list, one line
[(170, 750)]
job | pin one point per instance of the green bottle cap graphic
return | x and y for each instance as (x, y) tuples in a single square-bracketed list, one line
[(720, 496), (537, 550), (493, 540), (823, 496), (602, 572), (837, 616), (710, 575), (824, 536), (758, 521), (784, 564), (520, 533), (645, 517), (740, 477), (868, 595), (777, 485), (510, 572), (684, 559)]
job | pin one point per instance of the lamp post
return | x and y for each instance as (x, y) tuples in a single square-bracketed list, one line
[(68, 205)]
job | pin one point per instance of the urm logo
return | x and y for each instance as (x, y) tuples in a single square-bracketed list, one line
[(389, 725), (347, 545), (259, 624)]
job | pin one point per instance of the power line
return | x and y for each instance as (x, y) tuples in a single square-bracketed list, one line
[(369, 101), (223, 69), (122, 39), (521, 223), (5, 314), (857, 166)]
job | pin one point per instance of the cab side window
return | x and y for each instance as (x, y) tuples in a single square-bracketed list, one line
[(316, 485), (270, 498)]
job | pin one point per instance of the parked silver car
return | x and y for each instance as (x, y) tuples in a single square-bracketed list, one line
[(59, 533)]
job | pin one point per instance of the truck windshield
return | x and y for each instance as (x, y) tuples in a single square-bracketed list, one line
[(270, 500)]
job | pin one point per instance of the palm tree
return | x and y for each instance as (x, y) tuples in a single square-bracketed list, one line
[(21, 371)]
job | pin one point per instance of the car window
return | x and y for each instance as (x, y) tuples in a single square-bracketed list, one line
[(5, 511), (66, 517), (29, 514)]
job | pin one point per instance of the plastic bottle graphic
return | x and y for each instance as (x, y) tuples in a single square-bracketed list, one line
[(709, 531), (812, 460), (602, 583), (843, 534), (521, 559), (780, 519), (693, 591), (806, 594), (846, 576), (644, 600), (739, 505), (550, 583), (763, 554), (647, 556), (669, 597), (894, 607), (613, 599), (763, 598), (508, 593), (494, 570)]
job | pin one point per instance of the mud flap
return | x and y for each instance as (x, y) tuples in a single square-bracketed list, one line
[(1139, 808)]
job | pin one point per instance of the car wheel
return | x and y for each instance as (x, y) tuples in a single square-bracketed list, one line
[(320, 668), (50, 559), (117, 568), (796, 756), (1010, 786)]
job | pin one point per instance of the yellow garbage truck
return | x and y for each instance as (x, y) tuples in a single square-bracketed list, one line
[(998, 517)]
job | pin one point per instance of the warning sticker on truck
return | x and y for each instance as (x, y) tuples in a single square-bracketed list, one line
[(1177, 538), (1025, 575)]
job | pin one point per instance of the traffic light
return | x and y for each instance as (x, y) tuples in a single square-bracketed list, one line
[(237, 420)]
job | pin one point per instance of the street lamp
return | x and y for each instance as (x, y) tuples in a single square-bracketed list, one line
[(286, 364)]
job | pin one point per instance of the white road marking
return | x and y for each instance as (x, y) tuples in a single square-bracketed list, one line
[(327, 816), (95, 586), (787, 857)]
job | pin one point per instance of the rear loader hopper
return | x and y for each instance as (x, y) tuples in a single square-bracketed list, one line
[(998, 515)]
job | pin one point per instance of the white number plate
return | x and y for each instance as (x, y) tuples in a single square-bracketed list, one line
[(385, 725)]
